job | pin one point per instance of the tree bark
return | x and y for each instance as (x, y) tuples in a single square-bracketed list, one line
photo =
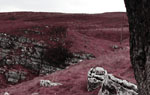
[(138, 12)]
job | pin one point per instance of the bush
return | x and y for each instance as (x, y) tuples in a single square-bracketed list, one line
[(57, 56), (12, 18), (58, 32), (59, 52)]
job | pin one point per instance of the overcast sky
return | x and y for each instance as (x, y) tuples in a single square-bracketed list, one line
[(67, 6)]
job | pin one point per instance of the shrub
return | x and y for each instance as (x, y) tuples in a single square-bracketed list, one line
[(57, 56), (59, 52), (58, 33), (12, 18)]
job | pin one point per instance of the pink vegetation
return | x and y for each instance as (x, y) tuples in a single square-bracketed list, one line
[(95, 34)]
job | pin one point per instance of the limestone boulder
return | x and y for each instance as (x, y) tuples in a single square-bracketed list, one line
[(115, 86), (95, 77)]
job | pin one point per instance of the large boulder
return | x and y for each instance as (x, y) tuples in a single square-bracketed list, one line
[(110, 85), (95, 78), (115, 86)]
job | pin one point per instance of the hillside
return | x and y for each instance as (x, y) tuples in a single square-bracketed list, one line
[(95, 34)]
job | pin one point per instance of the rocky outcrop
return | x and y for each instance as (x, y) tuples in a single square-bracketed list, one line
[(21, 50), (29, 54), (110, 85)]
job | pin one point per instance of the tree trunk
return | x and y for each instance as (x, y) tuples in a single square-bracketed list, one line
[(138, 12)]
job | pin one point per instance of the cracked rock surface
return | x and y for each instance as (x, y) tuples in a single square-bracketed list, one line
[(110, 85), (27, 55)]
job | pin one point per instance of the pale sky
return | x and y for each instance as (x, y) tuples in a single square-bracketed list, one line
[(66, 6)]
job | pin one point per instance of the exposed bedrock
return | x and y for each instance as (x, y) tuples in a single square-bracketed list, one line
[(28, 55)]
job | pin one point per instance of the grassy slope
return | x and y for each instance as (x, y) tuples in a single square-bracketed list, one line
[(91, 33)]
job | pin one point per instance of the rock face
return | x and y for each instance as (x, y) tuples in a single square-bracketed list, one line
[(25, 52), (19, 51), (110, 85), (95, 78)]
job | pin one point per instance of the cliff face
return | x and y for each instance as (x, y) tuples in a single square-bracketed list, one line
[(25, 38)]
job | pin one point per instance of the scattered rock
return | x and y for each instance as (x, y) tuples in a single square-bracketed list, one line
[(13, 77), (29, 31), (35, 93), (82, 55), (79, 57), (48, 83), (23, 39), (4, 52), (2, 70), (6, 43), (45, 69), (115, 47), (6, 93)]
